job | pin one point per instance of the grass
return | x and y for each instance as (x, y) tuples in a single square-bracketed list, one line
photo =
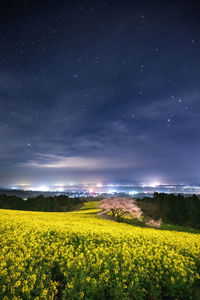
[(90, 205), (165, 226)]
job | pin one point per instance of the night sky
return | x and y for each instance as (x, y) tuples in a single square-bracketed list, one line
[(99, 91)]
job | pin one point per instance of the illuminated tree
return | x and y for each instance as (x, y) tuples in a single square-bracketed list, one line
[(120, 207)]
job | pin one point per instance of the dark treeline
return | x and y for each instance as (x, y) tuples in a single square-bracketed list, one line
[(173, 209), (40, 203)]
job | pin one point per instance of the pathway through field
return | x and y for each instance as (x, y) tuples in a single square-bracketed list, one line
[(104, 216)]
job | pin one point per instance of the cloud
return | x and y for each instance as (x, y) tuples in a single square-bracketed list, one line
[(76, 162)]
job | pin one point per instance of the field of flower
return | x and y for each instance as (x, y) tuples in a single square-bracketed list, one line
[(77, 255)]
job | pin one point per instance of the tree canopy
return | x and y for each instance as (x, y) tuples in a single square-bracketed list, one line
[(121, 206)]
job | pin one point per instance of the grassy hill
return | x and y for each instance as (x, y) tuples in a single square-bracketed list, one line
[(77, 255)]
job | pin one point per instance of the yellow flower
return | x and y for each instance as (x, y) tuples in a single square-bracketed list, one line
[(17, 283), (81, 295)]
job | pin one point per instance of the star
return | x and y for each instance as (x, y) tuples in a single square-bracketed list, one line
[(68, 87)]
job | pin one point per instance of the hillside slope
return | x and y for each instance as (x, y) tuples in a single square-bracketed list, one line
[(77, 255)]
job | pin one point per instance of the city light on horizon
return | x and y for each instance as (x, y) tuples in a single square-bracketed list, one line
[(98, 189), (154, 184), (42, 188)]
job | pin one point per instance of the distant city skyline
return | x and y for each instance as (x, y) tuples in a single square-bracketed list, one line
[(99, 189)]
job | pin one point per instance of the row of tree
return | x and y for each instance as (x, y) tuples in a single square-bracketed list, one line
[(172, 209), (40, 203)]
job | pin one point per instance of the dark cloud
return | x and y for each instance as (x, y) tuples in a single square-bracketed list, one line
[(99, 90)]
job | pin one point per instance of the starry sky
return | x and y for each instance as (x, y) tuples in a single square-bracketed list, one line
[(99, 91)]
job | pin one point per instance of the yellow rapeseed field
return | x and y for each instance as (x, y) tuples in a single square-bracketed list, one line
[(77, 255)]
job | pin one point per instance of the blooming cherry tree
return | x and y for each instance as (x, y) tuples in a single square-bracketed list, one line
[(121, 206)]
